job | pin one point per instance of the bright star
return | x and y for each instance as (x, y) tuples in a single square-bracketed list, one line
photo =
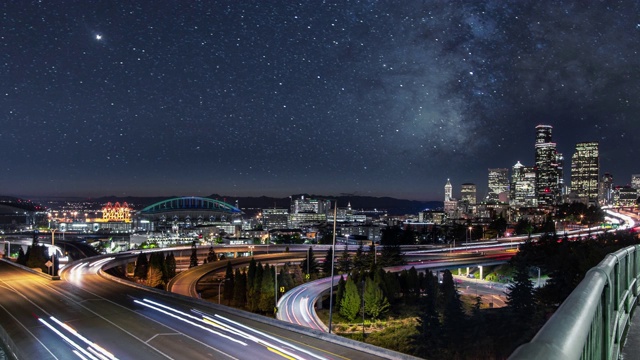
[(98, 37)]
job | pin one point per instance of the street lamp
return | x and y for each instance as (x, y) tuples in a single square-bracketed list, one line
[(52, 252), (363, 284), (220, 284), (470, 228), (333, 253)]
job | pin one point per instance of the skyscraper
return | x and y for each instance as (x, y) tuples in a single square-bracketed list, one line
[(635, 181), (585, 168), (448, 191), (450, 204), (498, 185), (548, 167), (468, 192), (605, 193), (523, 186)]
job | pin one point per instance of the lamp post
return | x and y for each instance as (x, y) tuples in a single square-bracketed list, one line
[(53, 251), (363, 284), (470, 229), (333, 253), (275, 277), (220, 284)]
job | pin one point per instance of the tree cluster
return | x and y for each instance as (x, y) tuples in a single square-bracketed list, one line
[(254, 289), (155, 271)]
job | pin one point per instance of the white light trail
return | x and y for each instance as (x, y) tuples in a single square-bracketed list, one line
[(69, 341), (91, 344), (158, 307), (271, 337)]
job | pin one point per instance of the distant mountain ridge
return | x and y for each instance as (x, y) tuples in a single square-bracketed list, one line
[(393, 206)]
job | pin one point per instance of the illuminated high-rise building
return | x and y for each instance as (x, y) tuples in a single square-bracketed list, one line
[(523, 186), (448, 191), (548, 167), (635, 181), (468, 193), (605, 191), (585, 168), (450, 204), (498, 185)]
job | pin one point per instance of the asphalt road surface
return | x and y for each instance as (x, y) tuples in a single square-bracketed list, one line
[(85, 316)]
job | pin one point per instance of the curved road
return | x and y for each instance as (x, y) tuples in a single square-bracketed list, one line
[(297, 306), (86, 316)]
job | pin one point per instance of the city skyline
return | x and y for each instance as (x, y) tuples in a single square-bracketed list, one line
[(251, 99)]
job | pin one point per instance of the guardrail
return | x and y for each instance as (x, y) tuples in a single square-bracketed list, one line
[(593, 321)]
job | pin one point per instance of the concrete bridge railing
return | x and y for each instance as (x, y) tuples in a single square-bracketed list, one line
[(593, 321)]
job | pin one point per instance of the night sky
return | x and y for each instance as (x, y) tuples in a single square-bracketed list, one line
[(243, 98)]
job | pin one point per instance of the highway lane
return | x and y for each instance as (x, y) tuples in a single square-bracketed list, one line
[(37, 303), (132, 323)]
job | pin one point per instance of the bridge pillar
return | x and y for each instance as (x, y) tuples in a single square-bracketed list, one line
[(480, 267), (467, 271)]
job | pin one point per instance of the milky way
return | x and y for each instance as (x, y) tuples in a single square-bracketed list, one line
[(380, 98)]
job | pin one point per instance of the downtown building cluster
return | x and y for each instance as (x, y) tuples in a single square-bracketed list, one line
[(540, 187)]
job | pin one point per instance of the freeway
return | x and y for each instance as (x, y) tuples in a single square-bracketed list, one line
[(87, 316)]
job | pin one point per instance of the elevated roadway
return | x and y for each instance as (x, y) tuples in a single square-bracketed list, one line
[(89, 315)]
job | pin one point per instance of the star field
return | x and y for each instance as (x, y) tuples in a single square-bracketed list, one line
[(274, 98)]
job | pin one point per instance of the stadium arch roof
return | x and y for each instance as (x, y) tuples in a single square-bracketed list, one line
[(190, 204)]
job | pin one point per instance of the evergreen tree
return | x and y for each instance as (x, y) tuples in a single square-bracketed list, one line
[(309, 265), (211, 256), (255, 289), (267, 293), (340, 292), (328, 261), (375, 303), (371, 260), (453, 317), (521, 297), (229, 283), (154, 277), (154, 269), (142, 267), (240, 289), (251, 275), (391, 253), (37, 256), (285, 278), (170, 266), (344, 263), (412, 285), (22, 259), (360, 259), (193, 260), (350, 304), (428, 341)]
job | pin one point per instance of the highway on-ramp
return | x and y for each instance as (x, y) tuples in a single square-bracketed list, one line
[(297, 306)]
